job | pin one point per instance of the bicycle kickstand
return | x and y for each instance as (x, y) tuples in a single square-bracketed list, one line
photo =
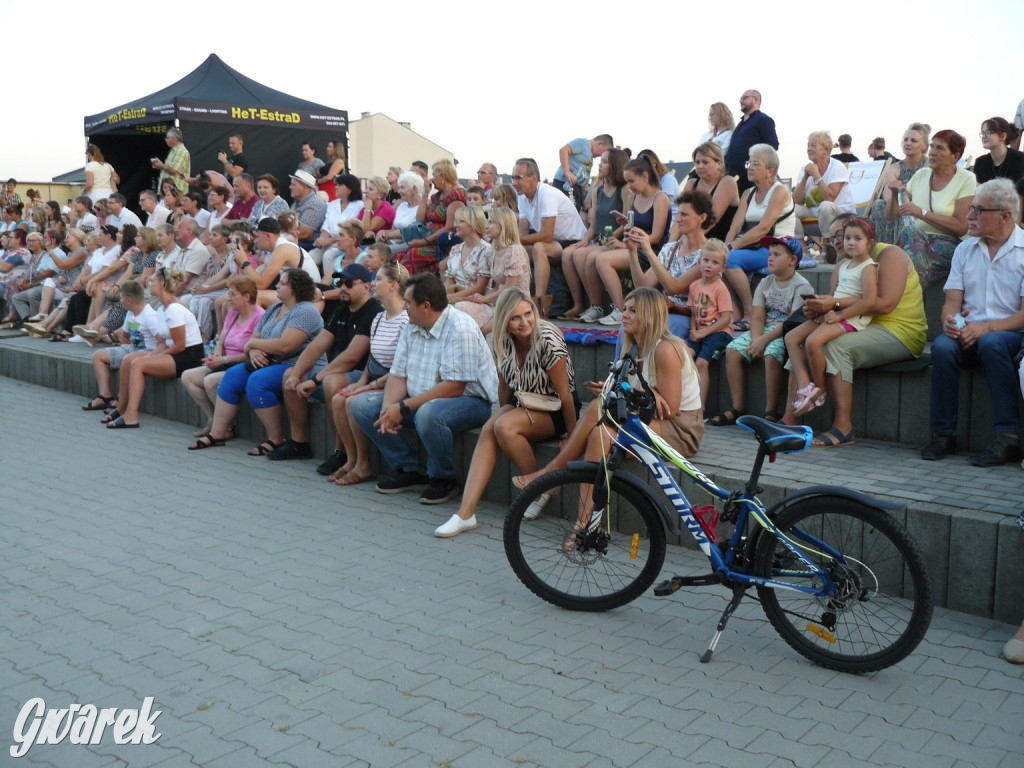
[(738, 592)]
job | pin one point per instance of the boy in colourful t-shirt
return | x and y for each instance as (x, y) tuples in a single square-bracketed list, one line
[(777, 297), (711, 311)]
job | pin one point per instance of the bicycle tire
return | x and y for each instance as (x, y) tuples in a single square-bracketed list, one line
[(884, 604), (609, 568)]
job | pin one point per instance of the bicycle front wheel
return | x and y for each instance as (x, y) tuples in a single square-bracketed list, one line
[(582, 558), (881, 606)]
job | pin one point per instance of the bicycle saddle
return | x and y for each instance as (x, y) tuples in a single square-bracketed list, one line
[(777, 438)]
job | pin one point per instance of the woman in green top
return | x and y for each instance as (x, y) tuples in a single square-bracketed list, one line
[(897, 332)]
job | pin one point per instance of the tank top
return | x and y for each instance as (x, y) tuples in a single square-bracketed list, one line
[(689, 395), (907, 322), (786, 223), (721, 228), (603, 210), (645, 220)]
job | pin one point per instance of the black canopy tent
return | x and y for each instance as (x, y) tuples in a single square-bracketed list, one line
[(208, 105)]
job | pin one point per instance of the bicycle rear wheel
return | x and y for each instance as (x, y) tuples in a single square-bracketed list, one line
[(882, 606), (583, 561)]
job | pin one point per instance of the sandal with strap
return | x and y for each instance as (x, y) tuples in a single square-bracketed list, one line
[(264, 448), (772, 416), (111, 416), (807, 399), (726, 418), (105, 402), (206, 441)]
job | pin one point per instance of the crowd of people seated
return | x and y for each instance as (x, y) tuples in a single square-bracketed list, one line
[(415, 307), (291, 301)]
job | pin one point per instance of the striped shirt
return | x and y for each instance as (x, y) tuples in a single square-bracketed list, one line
[(384, 336)]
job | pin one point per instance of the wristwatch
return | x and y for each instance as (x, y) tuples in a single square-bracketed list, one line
[(404, 409), (314, 380)]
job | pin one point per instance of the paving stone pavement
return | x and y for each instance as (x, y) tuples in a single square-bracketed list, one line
[(280, 621)]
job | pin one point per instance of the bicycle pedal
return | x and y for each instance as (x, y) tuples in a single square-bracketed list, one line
[(668, 586)]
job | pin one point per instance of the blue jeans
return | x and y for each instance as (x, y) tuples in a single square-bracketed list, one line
[(435, 422), (995, 352)]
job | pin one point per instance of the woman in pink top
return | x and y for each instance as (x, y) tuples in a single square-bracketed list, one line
[(242, 319), (378, 214)]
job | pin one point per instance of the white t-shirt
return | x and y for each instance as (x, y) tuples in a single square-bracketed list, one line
[(176, 315), (547, 203), (159, 216), (101, 259), (146, 325), (202, 218), (835, 172), (721, 139), (126, 217), (405, 215), (101, 175), (215, 218), (336, 214)]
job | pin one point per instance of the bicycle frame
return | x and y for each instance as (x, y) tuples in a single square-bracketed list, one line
[(636, 438)]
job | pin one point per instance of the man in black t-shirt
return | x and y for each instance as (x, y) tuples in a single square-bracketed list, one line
[(345, 340), (845, 145), (236, 162)]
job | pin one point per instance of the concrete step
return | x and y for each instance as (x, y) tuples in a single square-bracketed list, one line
[(963, 516)]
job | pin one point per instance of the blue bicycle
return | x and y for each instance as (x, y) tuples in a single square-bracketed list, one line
[(840, 579)]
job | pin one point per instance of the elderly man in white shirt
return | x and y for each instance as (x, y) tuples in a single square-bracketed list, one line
[(983, 320)]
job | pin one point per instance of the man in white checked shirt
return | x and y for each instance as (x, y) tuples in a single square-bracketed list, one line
[(443, 380)]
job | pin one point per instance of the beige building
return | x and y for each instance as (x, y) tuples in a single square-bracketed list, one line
[(376, 142)]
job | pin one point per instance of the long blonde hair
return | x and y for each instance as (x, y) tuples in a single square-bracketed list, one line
[(503, 309), (652, 316), (507, 220)]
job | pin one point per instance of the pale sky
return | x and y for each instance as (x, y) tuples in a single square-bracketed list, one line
[(496, 81)]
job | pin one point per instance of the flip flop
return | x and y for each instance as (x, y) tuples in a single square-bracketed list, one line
[(833, 438), (119, 423), (741, 326), (726, 418), (264, 448), (353, 478)]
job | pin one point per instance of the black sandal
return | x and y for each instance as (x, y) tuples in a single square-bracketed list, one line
[(264, 448), (106, 403), (206, 441), (111, 416), (772, 416), (726, 418)]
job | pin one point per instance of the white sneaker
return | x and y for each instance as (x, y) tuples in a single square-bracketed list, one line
[(36, 318), (455, 526), (536, 506), (592, 315), (77, 340), (1013, 651), (612, 318)]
